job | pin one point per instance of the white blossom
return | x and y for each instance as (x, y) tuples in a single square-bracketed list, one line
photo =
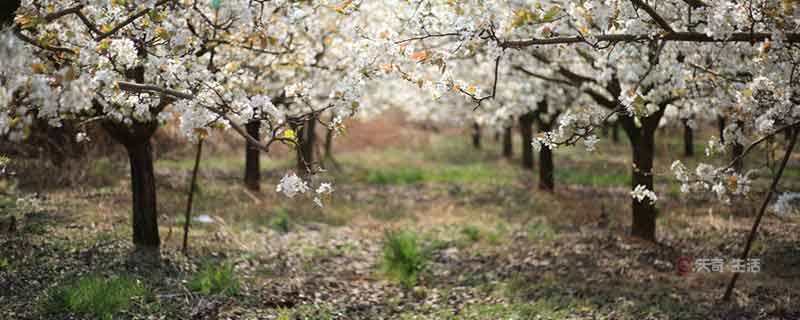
[(292, 185), (640, 193)]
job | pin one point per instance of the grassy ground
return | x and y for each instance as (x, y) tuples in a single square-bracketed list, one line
[(479, 241)]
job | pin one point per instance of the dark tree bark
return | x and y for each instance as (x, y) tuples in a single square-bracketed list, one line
[(526, 131), (143, 186), (643, 147), (306, 137), (688, 139), (546, 170), (136, 140), (546, 166), (721, 128), (476, 135), (508, 148), (252, 157)]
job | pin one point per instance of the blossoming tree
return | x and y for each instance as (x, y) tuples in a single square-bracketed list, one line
[(132, 66), (633, 57)]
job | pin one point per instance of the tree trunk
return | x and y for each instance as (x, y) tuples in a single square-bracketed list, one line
[(721, 128), (136, 140), (143, 187), (644, 212), (526, 131), (508, 148), (643, 146), (688, 139), (252, 157), (546, 169), (307, 137), (476, 135), (546, 166)]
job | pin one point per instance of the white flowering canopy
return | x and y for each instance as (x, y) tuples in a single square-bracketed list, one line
[(659, 60), (207, 63)]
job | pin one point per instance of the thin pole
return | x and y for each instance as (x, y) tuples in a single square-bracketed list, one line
[(192, 187)]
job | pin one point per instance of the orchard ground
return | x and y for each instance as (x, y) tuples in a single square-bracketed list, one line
[(495, 247)]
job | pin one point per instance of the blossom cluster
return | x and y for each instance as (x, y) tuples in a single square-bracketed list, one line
[(292, 185)]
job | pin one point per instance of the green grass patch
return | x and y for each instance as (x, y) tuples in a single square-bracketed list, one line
[(471, 233), (395, 176), (403, 257), (472, 173), (96, 296), (215, 279), (463, 173), (280, 222), (593, 178)]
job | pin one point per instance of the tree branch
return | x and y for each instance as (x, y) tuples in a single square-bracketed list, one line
[(138, 87), (675, 37), (653, 14)]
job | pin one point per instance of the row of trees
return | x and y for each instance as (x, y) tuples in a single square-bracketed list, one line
[(636, 63), (272, 70), (267, 70)]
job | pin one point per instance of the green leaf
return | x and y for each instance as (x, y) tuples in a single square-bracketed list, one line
[(216, 4)]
